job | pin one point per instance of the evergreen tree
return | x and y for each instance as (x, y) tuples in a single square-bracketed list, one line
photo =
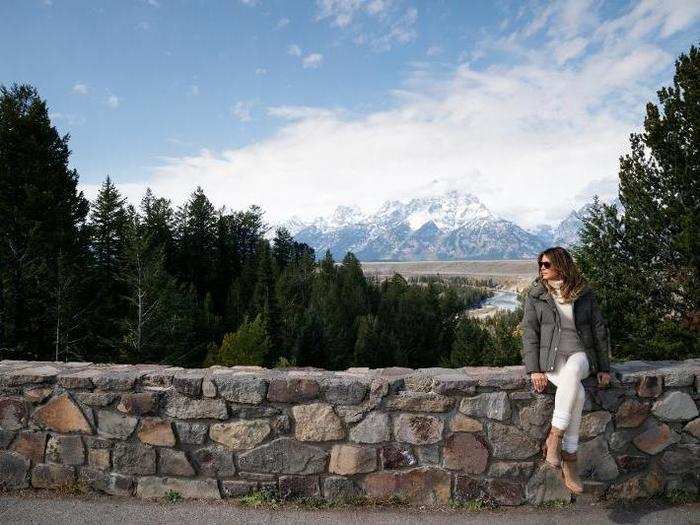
[(247, 346), (41, 229), (654, 247), (109, 220), (265, 301)]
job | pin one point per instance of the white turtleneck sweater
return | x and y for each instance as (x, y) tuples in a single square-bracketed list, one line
[(569, 341)]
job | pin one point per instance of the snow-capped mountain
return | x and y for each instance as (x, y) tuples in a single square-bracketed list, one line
[(452, 225)]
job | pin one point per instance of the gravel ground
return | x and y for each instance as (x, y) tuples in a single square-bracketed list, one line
[(48, 507)]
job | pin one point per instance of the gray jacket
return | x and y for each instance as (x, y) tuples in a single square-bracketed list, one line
[(541, 329)]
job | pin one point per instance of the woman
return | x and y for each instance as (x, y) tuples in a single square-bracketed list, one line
[(565, 339)]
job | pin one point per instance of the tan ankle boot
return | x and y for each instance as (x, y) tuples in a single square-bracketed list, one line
[(569, 468), (552, 447)]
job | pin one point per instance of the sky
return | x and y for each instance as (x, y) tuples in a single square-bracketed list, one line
[(301, 106)]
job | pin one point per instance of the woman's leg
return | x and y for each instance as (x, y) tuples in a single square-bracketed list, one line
[(569, 398), (579, 362)]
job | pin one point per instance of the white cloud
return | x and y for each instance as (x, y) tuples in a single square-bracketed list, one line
[(250, 3), (282, 22), (294, 50), (80, 89), (113, 101), (261, 71), (312, 61), (67, 118), (142, 26), (532, 137), (379, 24), (194, 90), (433, 51), (241, 111)]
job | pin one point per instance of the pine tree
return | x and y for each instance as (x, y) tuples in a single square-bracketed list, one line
[(42, 220), (654, 247), (109, 220), (247, 346)]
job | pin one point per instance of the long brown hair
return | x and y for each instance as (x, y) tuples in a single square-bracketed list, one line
[(573, 282)]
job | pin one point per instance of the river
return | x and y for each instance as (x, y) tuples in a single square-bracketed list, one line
[(500, 300)]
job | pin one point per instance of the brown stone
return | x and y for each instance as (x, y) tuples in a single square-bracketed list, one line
[(75, 380), (31, 445), (505, 492), (62, 415), (642, 485), (395, 455), (693, 428), (13, 413), (649, 386), (462, 423), (214, 461), (465, 452), (631, 414), (293, 487), (99, 458), (468, 488), (240, 435), (418, 429), (423, 485), (139, 404), (629, 463), (352, 459), (511, 469), (317, 422), (292, 390), (655, 439), (38, 394), (156, 431)]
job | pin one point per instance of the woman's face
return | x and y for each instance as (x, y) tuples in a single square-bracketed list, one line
[(548, 273)]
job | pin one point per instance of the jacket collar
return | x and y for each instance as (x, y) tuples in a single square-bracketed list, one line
[(539, 291)]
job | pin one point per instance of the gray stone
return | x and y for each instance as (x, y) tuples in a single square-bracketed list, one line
[(608, 399), (6, 437), (284, 456), (692, 428), (418, 429), (546, 485), (505, 492), (13, 413), (343, 391), (214, 461), (38, 394), (32, 374), (493, 405), (681, 459), (174, 463), (631, 413), (511, 469), (31, 445), (13, 470), (189, 382), (595, 461), (191, 433), (154, 487), (50, 476), (108, 482), (594, 423), (65, 449), (182, 407), (454, 385), (134, 459), (240, 388), (534, 418), (237, 488), (374, 428), (114, 425), (418, 402), (140, 403), (96, 399), (428, 454), (509, 442), (338, 488), (675, 406), (119, 380), (208, 388), (75, 380)]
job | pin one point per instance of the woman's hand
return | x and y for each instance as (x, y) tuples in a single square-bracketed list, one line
[(539, 381), (603, 379)]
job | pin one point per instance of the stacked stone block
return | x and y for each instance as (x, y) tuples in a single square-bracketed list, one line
[(428, 435)]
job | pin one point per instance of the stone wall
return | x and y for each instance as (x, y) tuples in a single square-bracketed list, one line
[(428, 435)]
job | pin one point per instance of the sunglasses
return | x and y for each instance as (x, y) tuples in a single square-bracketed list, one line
[(545, 264)]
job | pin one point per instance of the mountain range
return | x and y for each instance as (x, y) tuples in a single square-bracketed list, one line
[(453, 225)]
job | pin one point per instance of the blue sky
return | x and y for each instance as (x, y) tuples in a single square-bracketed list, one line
[(300, 106)]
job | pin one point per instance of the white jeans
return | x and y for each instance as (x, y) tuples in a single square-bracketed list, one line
[(570, 396)]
